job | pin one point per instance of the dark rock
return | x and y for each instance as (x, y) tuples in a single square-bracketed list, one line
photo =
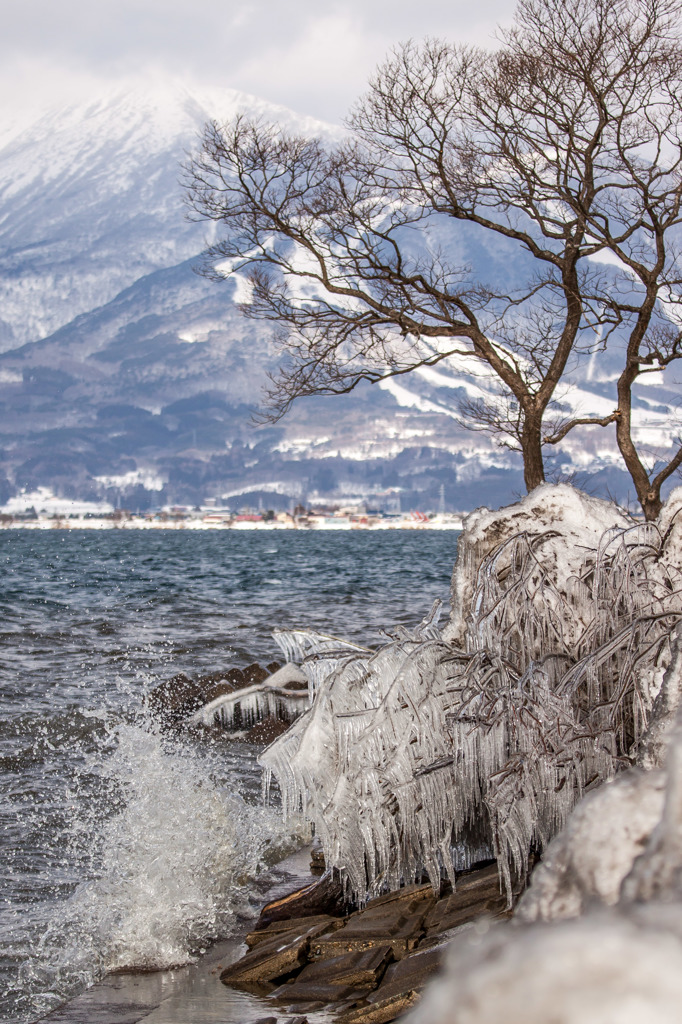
[(448, 915), (218, 690), (398, 924), (277, 928), (271, 959), (409, 895), (361, 968), (395, 920), (178, 698), (255, 674), (478, 878), (477, 893), (175, 699), (296, 685), (319, 992), (323, 897), (322, 959), (380, 1013), (266, 730), (409, 974), (273, 667), (399, 990), (332, 946), (317, 861), (215, 684)]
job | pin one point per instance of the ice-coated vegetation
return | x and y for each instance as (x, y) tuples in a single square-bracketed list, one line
[(597, 937), (438, 747), (278, 696)]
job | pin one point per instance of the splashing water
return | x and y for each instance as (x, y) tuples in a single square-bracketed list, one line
[(169, 870), (121, 847)]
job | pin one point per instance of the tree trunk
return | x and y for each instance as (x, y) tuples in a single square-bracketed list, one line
[(648, 493), (531, 448)]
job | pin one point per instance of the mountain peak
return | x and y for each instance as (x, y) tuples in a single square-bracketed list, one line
[(167, 106)]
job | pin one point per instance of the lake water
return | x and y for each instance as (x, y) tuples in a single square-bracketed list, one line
[(121, 846)]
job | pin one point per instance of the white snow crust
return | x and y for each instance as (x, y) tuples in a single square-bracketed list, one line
[(566, 522), (605, 969), (587, 862)]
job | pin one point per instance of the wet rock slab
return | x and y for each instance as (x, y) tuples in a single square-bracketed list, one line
[(364, 968), (476, 894), (343, 978), (370, 966), (323, 897), (279, 954), (276, 928)]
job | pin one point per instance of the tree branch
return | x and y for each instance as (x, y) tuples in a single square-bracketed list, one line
[(585, 421)]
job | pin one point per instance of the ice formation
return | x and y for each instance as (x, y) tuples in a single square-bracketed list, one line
[(608, 830), (437, 747), (244, 707), (622, 845)]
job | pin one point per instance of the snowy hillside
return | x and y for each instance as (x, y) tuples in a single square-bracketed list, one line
[(124, 374), (89, 200)]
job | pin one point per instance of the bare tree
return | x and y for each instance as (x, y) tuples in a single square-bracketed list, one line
[(652, 351), (641, 228), (362, 252)]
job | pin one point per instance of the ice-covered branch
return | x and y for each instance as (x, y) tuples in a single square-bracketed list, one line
[(436, 749)]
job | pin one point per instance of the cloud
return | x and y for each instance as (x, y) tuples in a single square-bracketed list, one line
[(313, 57)]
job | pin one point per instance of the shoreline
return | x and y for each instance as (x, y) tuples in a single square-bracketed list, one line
[(303, 966), (224, 527), (193, 992)]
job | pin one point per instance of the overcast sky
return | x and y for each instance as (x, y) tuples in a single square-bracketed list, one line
[(310, 55)]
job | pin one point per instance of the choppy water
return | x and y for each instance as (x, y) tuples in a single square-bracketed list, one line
[(120, 846)]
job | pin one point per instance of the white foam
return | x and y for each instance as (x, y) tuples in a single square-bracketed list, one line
[(171, 867)]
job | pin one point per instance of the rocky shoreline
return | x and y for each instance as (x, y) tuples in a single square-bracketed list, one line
[(309, 954), (307, 959), (367, 966), (545, 773)]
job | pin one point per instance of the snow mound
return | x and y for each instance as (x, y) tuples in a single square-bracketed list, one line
[(605, 969), (566, 522), (587, 862), (657, 872)]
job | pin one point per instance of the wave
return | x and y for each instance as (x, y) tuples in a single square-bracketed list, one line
[(171, 868)]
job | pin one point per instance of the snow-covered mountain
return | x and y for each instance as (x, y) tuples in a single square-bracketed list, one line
[(90, 201), (124, 374)]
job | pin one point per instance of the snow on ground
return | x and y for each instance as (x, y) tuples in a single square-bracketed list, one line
[(587, 862), (135, 477), (605, 969), (44, 501)]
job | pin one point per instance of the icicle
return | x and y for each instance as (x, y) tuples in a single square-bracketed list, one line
[(254, 703)]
